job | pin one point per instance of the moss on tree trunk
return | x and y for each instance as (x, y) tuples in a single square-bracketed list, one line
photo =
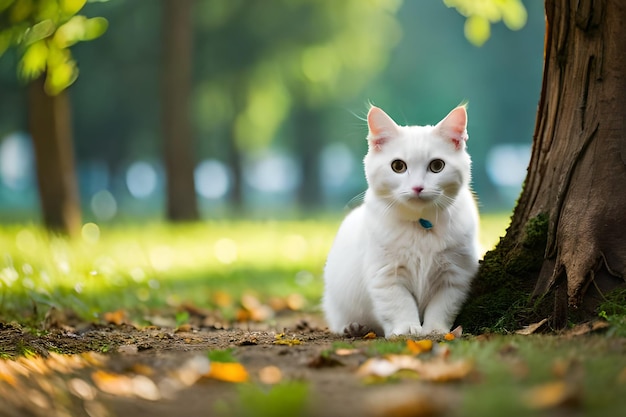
[(500, 298)]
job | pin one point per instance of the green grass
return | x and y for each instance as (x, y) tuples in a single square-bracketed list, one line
[(152, 266)]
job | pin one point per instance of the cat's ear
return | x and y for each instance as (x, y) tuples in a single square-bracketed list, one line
[(381, 128), (454, 127)]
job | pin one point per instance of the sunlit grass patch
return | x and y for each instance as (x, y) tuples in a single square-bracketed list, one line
[(151, 266), (144, 267)]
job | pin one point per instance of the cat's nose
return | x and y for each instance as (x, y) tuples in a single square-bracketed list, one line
[(418, 190)]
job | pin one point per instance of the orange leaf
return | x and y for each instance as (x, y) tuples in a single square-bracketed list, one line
[(229, 372), (420, 346), (115, 317), (449, 336)]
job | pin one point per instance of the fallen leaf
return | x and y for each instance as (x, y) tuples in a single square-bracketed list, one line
[(295, 302), (183, 328), (281, 339), (270, 375), (288, 342), (111, 383), (370, 335), (222, 299), (552, 394), (441, 370), (449, 337), (589, 327), (405, 401), (419, 346), (532, 328), (346, 352), (82, 389), (436, 370), (117, 317), (458, 331), (229, 372), (144, 387)]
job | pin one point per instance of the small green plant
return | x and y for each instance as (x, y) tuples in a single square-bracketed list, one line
[(284, 399), (225, 355), (613, 310), (182, 317)]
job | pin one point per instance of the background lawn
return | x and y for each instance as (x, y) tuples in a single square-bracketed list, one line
[(143, 268)]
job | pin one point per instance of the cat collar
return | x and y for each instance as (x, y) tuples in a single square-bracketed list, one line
[(425, 224)]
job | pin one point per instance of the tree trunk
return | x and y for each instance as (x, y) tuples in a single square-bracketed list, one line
[(177, 133), (309, 144), (566, 246), (235, 161), (51, 130)]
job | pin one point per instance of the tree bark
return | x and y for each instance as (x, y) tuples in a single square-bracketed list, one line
[(51, 130), (577, 171), (177, 132)]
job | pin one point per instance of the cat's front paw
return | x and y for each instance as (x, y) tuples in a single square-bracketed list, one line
[(405, 329), (435, 329), (356, 330)]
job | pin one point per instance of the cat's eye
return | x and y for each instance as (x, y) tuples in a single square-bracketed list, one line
[(398, 166), (436, 165)]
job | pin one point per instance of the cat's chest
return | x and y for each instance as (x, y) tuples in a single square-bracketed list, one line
[(409, 245)]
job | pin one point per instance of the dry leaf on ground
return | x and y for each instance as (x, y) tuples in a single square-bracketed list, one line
[(227, 371), (436, 370)]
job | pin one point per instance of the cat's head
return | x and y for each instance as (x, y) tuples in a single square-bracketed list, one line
[(415, 167)]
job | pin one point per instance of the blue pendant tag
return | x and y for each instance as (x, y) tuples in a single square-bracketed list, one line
[(425, 224)]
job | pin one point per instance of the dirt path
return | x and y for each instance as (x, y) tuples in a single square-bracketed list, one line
[(157, 371), (296, 368)]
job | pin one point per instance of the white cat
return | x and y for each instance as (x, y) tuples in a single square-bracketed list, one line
[(403, 261)]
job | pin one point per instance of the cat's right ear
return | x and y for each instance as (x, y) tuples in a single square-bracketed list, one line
[(381, 128)]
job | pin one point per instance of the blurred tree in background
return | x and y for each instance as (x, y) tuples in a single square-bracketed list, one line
[(175, 114), (275, 93), (43, 31), (286, 58)]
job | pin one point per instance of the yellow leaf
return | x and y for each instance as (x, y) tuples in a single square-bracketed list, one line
[(514, 14), (229, 372), (477, 30), (60, 77), (34, 60), (71, 7), (288, 342)]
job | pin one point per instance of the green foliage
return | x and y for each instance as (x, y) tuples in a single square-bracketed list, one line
[(332, 50), (481, 14), (43, 31), (613, 310)]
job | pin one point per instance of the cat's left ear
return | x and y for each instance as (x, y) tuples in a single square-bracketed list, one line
[(454, 127)]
